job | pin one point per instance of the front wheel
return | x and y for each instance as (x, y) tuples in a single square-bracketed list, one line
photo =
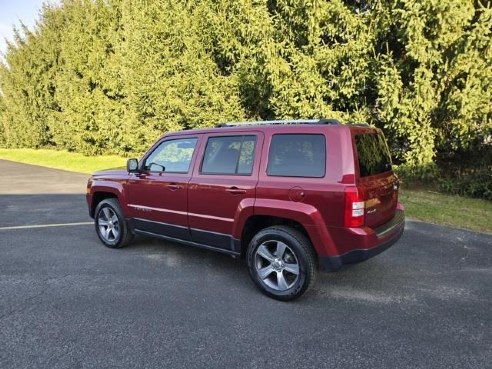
[(111, 227), (282, 262)]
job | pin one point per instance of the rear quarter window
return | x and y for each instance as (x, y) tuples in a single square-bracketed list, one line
[(373, 154), (297, 155)]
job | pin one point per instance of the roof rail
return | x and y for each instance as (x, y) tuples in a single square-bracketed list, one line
[(279, 122), (359, 124)]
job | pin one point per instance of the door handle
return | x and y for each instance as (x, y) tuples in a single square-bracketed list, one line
[(173, 186), (235, 191)]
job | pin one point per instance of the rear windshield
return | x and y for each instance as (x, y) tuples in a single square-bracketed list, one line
[(374, 157)]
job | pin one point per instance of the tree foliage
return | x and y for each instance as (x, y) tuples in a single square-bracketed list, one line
[(108, 76)]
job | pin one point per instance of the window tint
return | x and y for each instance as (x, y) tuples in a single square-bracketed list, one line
[(374, 157), (229, 155), (297, 156), (172, 156)]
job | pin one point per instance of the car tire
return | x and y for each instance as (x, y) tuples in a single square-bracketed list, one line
[(111, 226), (282, 262)]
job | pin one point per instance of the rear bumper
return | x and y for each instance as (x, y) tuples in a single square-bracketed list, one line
[(372, 242)]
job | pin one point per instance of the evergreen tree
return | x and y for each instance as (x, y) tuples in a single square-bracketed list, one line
[(109, 76)]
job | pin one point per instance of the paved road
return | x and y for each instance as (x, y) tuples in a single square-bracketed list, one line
[(68, 302), (18, 179)]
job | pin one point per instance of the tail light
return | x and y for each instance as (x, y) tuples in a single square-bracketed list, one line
[(354, 207)]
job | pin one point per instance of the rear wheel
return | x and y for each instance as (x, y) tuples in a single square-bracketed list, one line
[(111, 227), (282, 262)]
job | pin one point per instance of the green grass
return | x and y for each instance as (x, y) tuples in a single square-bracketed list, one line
[(420, 204), (450, 210), (63, 159)]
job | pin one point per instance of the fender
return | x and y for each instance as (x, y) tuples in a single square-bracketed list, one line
[(306, 215), (244, 211), (113, 187)]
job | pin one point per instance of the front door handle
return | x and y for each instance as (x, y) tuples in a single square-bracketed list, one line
[(173, 186), (235, 191)]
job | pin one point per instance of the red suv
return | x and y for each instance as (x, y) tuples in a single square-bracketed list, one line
[(288, 195)]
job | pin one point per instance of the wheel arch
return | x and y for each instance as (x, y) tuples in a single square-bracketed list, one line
[(304, 217), (99, 196), (256, 223)]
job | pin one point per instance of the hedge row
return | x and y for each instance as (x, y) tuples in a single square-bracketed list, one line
[(109, 76)]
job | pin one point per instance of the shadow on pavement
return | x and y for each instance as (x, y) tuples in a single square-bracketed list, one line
[(20, 210)]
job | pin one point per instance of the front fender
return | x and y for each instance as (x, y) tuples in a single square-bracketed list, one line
[(102, 186)]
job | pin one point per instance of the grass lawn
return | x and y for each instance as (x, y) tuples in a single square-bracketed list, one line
[(63, 159), (450, 210), (420, 204)]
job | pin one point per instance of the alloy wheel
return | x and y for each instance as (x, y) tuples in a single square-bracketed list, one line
[(276, 265), (109, 227)]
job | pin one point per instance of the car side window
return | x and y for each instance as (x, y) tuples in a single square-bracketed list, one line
[(232, 155), (297, 155), (173, 156)]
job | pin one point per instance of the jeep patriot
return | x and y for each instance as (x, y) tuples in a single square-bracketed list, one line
[(290, 196)]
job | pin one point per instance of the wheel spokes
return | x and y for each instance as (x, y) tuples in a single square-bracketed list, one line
[(281, 282), (108, 222), (276, 265), (106, 213), (265, 253), (292, 268), (279, 252), (265, 272), (107, 231)]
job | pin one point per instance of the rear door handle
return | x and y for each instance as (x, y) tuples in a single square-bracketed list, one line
[(235, 191), (173, 186)]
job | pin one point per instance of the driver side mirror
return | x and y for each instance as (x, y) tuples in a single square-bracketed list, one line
[(132, 165)]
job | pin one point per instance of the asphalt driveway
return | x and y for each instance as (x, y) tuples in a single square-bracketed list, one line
[(68, 302)]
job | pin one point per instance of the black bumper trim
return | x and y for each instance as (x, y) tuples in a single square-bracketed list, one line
[(333, 263), (387, 228)]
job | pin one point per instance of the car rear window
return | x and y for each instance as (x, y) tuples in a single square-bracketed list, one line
[(373, 153), (297, 155)]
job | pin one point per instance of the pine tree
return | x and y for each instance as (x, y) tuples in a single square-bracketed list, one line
[(109, 76)]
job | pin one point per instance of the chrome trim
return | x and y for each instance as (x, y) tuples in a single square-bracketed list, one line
[(166, 224), (230, 220), (162, 210), (212, 232), (179, 226)]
